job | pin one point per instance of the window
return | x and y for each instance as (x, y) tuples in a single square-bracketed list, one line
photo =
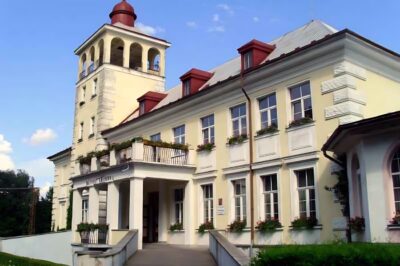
[(239, 120), (85, 210), (94, 89), (179, 134), (80, 133), (396, 180), (271, 197), (178, 193), (142, 108), (156, 137), (186, 87), (239, 187), (306, 191), (248, 60), (208, 203), (207, 124), (268, 113), (83, 94), (300, 98), (92, 122)]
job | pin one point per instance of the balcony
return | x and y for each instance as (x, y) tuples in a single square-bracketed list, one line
[(82, 75), (92, 68)]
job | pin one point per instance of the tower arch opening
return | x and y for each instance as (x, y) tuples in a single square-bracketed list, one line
[(153, 63), (135, 56), (117, 52)]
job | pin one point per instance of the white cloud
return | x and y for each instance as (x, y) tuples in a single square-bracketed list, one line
[(41, 136), (149, 30), (191, 24), (6, 163), (226, 8), (217, 29), (41, 169), (215, 18), (256, 19), (44, 189)]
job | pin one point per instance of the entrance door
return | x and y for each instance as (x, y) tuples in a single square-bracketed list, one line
[(152, 218)]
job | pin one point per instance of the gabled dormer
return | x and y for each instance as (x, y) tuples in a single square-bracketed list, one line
[(254, 52), (193, 80), (149, 100)]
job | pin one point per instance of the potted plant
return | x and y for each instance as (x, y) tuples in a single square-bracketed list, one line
[(268, 225), (237, 139), (301, 121), (304, 223), (84, 231), (267, 130), (176, 227), (237, 226), (205, 147), (357, 224), (396, 219), (205, 226), (102, 233)]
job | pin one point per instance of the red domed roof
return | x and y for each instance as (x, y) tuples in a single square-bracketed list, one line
[(124, 13)]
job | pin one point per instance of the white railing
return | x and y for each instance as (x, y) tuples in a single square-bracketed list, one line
[(164, 155)]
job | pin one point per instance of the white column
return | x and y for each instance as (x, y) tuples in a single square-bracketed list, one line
[(162, 211), (113, 206), (188, 213), (127, 49), (93, 205), (144, 59), (136, 208), (107, 50), (76, 214)]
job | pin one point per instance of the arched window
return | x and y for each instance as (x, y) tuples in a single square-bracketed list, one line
[(135, 56), (83, 66), (91, 60), (395, 172), (153, 57), (356, 185), (117, 52), (101, 54)]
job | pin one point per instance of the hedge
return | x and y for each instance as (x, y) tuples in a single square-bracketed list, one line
[(8, 259), (329, 255)]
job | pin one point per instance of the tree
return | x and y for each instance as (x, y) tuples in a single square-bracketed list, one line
[(43, 213), (15, 199), (69, 212)]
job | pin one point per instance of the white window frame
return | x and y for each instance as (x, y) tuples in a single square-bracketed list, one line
[(94, 88), (301, 99), (178, 207), (208, 203), (270, 194), (392, 174), (206, 130), (248, 60), (268, 110), (242, 215), (307, 190), (186, 87), (179, 138), (85, 209), (92, 125), (239, 120)]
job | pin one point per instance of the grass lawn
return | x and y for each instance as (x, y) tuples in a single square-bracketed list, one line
[(11, 260), (364, 254)]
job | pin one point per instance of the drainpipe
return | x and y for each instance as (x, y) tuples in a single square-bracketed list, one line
[(250, 164)]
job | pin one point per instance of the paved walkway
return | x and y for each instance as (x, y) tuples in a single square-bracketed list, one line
[(170, 255)]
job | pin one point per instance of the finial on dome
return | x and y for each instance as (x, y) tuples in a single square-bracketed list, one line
[(123, 13)]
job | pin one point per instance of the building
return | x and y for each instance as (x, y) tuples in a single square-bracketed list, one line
[(240, 142), (370, 149)]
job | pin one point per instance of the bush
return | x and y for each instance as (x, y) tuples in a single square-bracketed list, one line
[(176, 227), (304, 223), (321, 255), (237, 226), (205, 147), (206, 226), (269, 225)]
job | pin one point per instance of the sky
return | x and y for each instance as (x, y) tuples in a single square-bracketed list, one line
[(38, 68)]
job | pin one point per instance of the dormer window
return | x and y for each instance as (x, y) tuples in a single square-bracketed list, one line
[(142, 109), (149, 100), (186, 88), (248, 60)]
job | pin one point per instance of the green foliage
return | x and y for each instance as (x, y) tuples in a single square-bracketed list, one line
[(300, 122), (43, 213), (269, 225), (86, 159), (69, 211), (304, 223), (357, 224), (101, 153), (15, 204), (176, 227), (237, 139), (120, 146), (237, 226), (205, 147), (206, 226), (396, 219), (329, 255), (341, 190), (8, 259), (268, 130), (163, 144)]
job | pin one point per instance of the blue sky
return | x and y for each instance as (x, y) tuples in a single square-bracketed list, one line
[(38, 69)]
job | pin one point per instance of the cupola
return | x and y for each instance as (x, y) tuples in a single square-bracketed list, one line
[(123, 13), (254, 52), (149, 100), (193, 80)]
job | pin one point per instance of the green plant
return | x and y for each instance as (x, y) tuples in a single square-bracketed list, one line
[(85, 159), (161, 144), (304, 223), (176, 227), (104, 164), (268, 130), (300, 122), (357, 224), (205, 147), (137, 140), (102, 227), (101, 153), (205, 226), (237, 139), (69, 211), (237, 226), (120, 146), (268, 225), (83, 227), (8, 260)]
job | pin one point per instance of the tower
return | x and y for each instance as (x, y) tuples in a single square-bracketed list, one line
[(117, 65)]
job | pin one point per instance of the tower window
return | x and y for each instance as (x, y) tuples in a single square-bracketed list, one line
[(83, 95)]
